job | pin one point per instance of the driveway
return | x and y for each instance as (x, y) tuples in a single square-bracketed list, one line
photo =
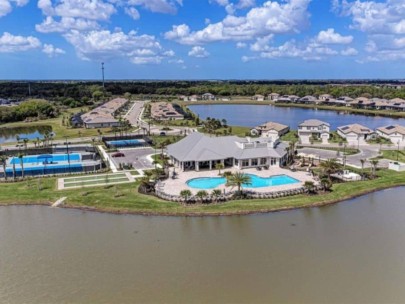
[(366, 152), (137, 157)]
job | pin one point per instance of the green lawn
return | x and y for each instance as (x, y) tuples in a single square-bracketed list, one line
[(393, 155), (290, 136), (60, 130), (129, 200)]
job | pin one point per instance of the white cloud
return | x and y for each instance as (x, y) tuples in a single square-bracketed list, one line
[(331, 37), (384, 47), (261, 44), (6, 6), (245, 4), (199, 52), (132, 12), (157, 6), (105, 45), (241, 45), (146, 60), (52, 51), (349, 52), (10, 43), (169, 53), (86, 9), (50, 25), (176, 61), (385, 17), (272, 17)]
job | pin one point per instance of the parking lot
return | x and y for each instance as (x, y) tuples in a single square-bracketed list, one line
[(135, 156)]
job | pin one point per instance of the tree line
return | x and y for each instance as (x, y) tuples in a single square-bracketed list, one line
[(80, 93)]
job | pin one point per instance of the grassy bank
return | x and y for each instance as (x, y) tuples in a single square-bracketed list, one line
[(60, 130), (126, 199), (393, 155)]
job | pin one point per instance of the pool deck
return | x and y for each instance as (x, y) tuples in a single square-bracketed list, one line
[(174, 186)]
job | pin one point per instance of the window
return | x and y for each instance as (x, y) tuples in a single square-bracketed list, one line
[(254, 162), (273, 161), (236, 162), (245, 163), (263, 161)]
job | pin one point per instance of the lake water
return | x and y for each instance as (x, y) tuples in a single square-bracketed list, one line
[(33, 132), (353, 252), (254, 115)]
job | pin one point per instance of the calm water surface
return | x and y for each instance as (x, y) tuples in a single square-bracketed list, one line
[(353, 252), (253, 115), (32, 132)]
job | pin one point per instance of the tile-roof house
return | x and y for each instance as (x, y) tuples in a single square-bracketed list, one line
[(198, 151), (356, 134), (395, 133), (313, 129), (270, 129)]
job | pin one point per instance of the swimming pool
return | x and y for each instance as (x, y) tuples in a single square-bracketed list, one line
[(125, 142), (257, 181), (206, 182), (46, 158)]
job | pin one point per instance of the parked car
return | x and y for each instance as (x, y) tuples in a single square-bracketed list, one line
[(118, 154)]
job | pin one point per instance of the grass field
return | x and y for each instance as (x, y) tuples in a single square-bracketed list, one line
[(393, 155), (60, 131), (131, 201)]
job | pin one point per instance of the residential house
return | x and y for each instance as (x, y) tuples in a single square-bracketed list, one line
[(325, 97), (198, 151), (104, 115), (166, 111), (273, 130), (313, 129), (258, 97), (208, 96), (356, 134), (308, 99), (395, 133), (273, 96)]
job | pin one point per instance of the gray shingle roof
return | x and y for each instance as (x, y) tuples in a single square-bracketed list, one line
[(313, 123), (200, 147)]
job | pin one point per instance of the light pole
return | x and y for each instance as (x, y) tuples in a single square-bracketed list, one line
[(67, 151)]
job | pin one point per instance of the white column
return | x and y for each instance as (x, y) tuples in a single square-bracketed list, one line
[(197, 166), (210, 164)]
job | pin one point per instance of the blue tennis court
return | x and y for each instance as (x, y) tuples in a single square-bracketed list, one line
[(46, 169), (46, 158), (125, 143)]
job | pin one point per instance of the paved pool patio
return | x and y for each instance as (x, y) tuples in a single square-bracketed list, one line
[(174, 186)]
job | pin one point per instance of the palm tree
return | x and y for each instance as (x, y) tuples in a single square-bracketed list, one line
[(238, 179), (186, 194), (374, 164), (201, 195), (216, 193), (21, 157), (362, 161), (25, 140), (309, 186), (326, 184), (330, 166), (219, 167), (3, 160), (291, 150)]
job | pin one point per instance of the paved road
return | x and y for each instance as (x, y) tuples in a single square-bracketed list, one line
[(366, 152), (134, 113)]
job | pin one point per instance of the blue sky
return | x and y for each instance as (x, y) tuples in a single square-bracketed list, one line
[(202, 39)]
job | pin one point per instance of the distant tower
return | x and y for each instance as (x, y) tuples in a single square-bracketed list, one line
[(102, 72)]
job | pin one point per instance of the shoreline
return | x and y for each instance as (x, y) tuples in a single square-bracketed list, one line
[(348, 110), (207, 214)]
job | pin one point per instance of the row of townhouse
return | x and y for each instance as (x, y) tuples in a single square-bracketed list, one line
[(317, 130), (396, 104)]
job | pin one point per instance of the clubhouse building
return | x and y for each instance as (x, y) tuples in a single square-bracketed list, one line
[(198, 152)]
